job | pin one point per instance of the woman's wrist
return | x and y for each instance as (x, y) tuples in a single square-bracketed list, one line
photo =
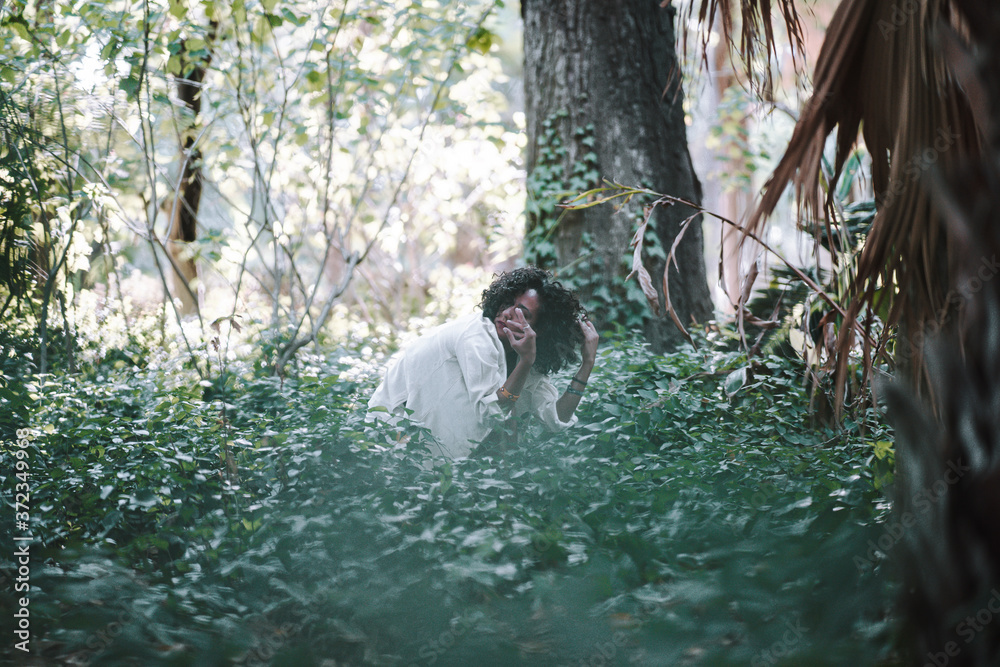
[(507, 395)]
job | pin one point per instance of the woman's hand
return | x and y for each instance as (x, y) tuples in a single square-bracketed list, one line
[(521, 337), (590, 340), (566, 405)]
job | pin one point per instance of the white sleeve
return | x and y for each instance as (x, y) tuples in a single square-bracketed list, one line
[(543, 403), (481, 365)]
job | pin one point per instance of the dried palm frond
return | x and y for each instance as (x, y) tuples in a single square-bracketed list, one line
[(755, 25), (882, 70), (951, 559)]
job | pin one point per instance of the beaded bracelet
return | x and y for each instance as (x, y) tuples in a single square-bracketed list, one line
[(570, 390), (509, 396), (576, 379)]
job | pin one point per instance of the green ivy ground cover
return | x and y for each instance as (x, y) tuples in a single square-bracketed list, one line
[(695, 515)]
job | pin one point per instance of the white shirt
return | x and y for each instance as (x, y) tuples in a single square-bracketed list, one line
[(449, 378)]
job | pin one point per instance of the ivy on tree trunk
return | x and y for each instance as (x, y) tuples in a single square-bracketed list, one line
[(604, 101)]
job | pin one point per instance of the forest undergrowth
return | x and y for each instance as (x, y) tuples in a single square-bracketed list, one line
[(698, 513)]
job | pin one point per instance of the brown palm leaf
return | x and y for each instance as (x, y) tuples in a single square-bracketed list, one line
[(950, 556), (883, 71), (755, 25)]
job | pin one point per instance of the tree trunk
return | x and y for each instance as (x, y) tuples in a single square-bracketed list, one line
[(182, 232), (604, 101), (182, 206)]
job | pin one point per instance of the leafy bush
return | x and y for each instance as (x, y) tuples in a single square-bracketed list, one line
[(15, 366), (692, 515)]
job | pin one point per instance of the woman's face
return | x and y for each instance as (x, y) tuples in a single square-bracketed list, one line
[(528, 304)]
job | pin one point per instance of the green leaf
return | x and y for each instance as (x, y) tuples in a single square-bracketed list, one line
[(482, 40), (735, 381), (178, 9), (174, 65), (143, 498), (20, 27), (131, 86), (883, 448)]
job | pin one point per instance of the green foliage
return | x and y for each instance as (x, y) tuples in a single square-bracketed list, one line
[(546, 186), (15, 214), (550, 182), (804, 323), (621, 304), (691, 515), (310, 118), (15, 367)]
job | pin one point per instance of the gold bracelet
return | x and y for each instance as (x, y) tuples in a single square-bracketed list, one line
[(509, 396)]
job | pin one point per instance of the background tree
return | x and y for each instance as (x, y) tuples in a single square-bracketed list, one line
[(193, 59), (603, 100), (297, 126)]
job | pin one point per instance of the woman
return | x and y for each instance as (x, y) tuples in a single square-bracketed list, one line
[(462, 377)]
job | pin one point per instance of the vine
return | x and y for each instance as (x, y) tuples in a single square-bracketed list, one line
[(546, 185), (549, 184)]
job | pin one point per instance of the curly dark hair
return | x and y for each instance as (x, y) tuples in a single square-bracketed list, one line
[(557, 329)]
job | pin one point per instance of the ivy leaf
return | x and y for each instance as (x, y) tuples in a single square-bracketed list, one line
[(735, 381), (883, 448)]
